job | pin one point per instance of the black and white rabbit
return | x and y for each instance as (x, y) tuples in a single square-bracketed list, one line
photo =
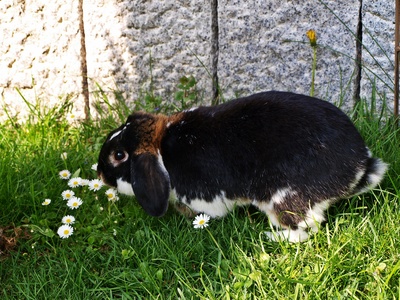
[(289, 155)]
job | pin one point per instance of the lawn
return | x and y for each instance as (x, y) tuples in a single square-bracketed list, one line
[(118, 252)]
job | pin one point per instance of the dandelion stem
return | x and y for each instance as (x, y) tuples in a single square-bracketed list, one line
[(314, 67), (312, 36)]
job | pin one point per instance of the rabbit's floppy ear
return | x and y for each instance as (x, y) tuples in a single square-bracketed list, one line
[(150, 183)]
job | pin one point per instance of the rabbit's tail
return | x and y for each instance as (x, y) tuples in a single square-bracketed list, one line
[(370, 177)]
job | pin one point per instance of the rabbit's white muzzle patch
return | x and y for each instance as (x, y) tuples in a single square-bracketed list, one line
[(124, 187)]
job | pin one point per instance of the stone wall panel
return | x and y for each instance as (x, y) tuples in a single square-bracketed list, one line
[(148, 45), (39, 42), (263, 46), (378, 54)]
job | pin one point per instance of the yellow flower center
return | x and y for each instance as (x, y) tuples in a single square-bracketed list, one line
[(201, 222), (68, 220), (75, 204), (66, 231)]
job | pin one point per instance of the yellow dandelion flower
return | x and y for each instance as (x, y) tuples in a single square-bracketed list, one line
[(312, 36)]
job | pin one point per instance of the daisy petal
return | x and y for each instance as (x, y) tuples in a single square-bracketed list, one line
[(68, 220), (46, 202), (65, 231), (65, 174), (75, 182), (201, 221), (112, 195), (67, 194), (95, 185), (74, 203)]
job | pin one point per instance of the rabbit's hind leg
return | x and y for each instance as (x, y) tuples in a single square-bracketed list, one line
[(292, 216)]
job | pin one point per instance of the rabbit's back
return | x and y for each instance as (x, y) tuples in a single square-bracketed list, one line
[(252, 146)]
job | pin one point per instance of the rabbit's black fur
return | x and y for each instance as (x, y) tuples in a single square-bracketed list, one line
[(289, 155)]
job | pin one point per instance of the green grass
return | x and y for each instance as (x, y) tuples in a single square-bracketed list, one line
[(119, 252)]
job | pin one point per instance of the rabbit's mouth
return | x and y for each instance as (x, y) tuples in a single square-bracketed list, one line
[(101, 177), (104, 179)]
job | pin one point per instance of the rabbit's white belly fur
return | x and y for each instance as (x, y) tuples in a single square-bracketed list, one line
[(217, 207), (268, 206)]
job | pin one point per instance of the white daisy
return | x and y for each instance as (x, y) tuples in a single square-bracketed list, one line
[(75, 182), (46, 202), (71, 117), (68, 220), (112, 195), (67, 194), (95, 184), (64, 155), (201, 221), (65, 231), (94, 167), (65, 174), (85, 182), (74, 203)]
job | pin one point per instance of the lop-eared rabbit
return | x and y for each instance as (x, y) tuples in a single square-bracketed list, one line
[(289, 155)]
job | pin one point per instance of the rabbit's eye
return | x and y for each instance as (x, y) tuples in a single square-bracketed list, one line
[(120, 155)]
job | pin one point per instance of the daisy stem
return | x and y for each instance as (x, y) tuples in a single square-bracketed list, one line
[(109, 210), (216, 243), (111, 203)]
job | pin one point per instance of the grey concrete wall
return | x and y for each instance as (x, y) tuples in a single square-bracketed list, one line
[(39, 52), (378, 54), (134, 43), (247, 46), (268, 46)]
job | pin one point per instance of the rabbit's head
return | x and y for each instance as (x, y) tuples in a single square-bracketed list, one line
[(130, 161)]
